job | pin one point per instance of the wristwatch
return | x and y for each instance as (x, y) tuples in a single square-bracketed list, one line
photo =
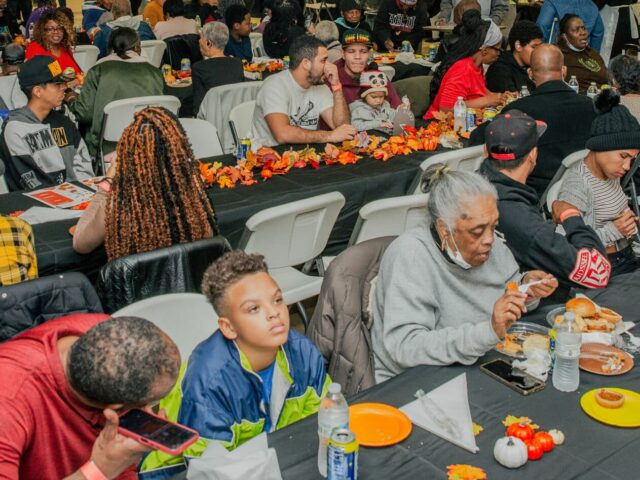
[(91, 471)]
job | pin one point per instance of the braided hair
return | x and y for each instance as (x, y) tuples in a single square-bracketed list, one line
[(473, 31), (158, 198)]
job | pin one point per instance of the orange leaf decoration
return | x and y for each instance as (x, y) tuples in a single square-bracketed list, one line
[(465, 472)]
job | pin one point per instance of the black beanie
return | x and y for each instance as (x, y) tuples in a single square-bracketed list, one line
[(614, 128), (346, 5)]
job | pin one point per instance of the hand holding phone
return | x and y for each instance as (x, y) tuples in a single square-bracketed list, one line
[(112, 452), (156, 432)]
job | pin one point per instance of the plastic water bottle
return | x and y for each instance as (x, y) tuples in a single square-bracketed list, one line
[(573, 83), (566, 371), (333, 413), (524, 91), (592, 91), (198, 24), (460, 115), (403, 116)]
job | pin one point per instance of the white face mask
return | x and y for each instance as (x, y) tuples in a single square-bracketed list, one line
[(457, 257)]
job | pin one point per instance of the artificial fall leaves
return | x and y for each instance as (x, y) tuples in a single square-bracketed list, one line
[(465, 472), (270, 163)]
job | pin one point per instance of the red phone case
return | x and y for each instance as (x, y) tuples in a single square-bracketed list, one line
[(158, 446)]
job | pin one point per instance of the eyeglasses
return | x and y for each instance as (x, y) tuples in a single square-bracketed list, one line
[(54, 29)]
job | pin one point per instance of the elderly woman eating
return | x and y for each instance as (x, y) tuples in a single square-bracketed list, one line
[(440, 296)]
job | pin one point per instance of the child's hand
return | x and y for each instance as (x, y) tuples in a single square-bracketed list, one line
[(386, 125)]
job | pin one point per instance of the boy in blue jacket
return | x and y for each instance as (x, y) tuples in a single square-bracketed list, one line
[(253, 375)]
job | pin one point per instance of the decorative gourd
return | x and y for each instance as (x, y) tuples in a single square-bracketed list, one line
[(510, 452), (557, 435), (521, 430), (534, 450), (544, 440)]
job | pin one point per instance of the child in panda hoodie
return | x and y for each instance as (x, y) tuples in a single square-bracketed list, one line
[(372, 111)]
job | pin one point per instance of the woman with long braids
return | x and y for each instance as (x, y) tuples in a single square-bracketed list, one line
[(461, 74), (53, 36), (153, 197)]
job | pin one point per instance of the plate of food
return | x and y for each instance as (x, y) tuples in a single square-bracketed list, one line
[(589, 317), (523, 337), (604, 359), (614, 406)]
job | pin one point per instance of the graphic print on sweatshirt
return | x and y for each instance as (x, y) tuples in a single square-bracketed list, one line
[(401, 21)]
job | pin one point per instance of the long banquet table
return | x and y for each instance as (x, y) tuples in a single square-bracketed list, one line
[(361, 183), (592, 451)]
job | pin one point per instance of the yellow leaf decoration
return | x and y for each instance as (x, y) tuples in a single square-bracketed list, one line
[(477, 429), (465, 472), (510, 419)]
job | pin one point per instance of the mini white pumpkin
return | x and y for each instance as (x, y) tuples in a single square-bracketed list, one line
[(557, 435), (510, 452)]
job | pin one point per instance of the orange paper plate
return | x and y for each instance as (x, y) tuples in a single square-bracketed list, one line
[(378, 425)]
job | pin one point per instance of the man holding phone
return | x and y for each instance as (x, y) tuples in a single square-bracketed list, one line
[(62, 385)]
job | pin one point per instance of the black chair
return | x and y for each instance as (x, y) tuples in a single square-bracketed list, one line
[(28, 304), (179, 47), (176, 269)]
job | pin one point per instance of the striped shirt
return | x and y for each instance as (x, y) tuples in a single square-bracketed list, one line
[(608, 197)]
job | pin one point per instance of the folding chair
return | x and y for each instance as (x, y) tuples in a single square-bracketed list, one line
[(86, 56), (465, 159), (203, 137), (550, 195), (240, 119), (153, 50), (293, 234), (10, 92), (188, 318), (119, 114), (317, 7), (384, 218)]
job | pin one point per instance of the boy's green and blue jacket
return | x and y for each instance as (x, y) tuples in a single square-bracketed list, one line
[(220, 396)]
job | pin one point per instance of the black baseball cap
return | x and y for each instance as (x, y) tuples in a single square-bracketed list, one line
[(39, 70), (13, 54), (514, 131)]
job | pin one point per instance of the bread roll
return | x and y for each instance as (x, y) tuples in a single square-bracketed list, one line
[(581, 306), (609, 315)]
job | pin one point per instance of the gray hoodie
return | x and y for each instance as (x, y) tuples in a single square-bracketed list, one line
[(41, 154), (428, 310)]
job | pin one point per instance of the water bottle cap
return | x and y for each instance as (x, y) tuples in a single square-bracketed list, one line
[(334, 388), (460, 98)]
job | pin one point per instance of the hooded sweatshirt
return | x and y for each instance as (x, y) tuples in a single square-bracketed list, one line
[(577, 259), (101, 39), (93, 15), (507, 75), (41, 154), (392, 23)]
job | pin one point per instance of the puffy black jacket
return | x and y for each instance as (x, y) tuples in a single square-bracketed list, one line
[(28, 304)]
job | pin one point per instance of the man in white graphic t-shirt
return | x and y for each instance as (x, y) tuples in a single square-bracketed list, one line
[(291, 103)]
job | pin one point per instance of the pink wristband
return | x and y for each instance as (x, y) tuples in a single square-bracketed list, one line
[(91, 471), (572, 212)]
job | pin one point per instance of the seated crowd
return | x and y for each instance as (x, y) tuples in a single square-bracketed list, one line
[(439, 297)]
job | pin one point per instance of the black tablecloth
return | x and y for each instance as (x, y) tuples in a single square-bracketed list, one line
[(360, 184), (593, 451)]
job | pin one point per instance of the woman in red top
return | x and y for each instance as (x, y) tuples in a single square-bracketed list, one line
[(53, 36), (461, 74)]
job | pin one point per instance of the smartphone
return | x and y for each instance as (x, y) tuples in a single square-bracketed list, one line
[(156, 432), (515, 379)]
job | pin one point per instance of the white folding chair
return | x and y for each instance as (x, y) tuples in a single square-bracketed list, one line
[(257, 44), (292, 234), (153, 50), (119, 114), (218, 103), (388, 70), (550, 195), (203, 137), (240, 119), (4, 188), (385, 217), (188, 318), (468, 158), (10, 92), (86, 56)]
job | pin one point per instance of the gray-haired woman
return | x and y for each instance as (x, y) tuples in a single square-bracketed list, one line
[(440, 296), (327, 32), (215, 69)]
